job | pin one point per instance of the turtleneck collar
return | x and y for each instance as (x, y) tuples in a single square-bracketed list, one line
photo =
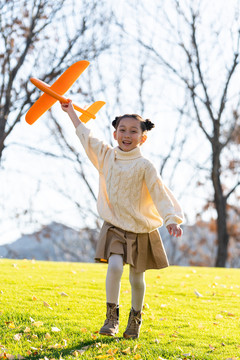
[(127, 155)]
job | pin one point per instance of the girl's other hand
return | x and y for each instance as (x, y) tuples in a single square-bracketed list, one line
[(174, 230)]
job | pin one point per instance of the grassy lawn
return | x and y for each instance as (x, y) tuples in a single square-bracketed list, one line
[(54, 311)]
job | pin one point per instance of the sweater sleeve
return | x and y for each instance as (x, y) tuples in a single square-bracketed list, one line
[(164, 200), (95, 149)]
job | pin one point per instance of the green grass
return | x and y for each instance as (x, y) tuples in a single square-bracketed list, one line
[(177, 324)]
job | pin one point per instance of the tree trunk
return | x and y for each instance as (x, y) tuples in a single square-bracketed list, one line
[(220, 203)]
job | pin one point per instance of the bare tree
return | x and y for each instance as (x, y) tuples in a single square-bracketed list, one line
[(42, 38), (200, 56)]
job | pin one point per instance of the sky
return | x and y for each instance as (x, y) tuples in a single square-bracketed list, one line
[(30, 181)]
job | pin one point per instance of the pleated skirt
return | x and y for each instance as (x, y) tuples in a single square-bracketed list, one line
[(143, 251)]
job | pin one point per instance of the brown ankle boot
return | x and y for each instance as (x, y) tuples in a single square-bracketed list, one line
[(134, 324), (111, 324)]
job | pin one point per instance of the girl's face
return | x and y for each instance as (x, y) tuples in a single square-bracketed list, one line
[(129, 134)]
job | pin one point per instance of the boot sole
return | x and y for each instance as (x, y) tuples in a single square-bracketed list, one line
[(130, 336), (107, 334)]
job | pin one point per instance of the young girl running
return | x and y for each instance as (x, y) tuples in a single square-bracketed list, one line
[(134, 203)]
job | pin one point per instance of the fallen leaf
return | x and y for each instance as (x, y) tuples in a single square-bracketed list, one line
[(34, 298), (55, 329), (112, 351), (47, 305), (37, 323), (197, 293), (47, 336), (137, 346), (11, 325), (17, 337), (63, 294), (218, 316), (55, 346), (127, 351), (212, 347), (137, 357), (78, 352), (27, 330), (65, 342), (83, 330)]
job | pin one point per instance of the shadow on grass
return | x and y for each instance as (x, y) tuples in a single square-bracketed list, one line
[(69, 351)]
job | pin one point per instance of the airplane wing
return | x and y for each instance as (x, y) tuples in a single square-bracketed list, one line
[(61, 85), (93, 109)]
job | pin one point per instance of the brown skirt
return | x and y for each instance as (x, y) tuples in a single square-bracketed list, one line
[(142, 251)]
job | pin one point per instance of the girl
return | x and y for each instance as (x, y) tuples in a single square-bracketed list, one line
[(134, 203)]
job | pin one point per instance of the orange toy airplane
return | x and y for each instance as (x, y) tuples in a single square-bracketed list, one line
[(54, 93)]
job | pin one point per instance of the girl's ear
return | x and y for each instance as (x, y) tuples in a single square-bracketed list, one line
[(144, 138), (115, 135)]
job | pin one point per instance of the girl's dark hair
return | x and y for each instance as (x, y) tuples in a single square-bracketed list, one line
[(146, 125)]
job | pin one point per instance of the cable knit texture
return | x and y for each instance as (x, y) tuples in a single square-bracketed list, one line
[(131, 195)]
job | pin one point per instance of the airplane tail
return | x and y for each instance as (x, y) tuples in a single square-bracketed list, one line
[(92, 109)]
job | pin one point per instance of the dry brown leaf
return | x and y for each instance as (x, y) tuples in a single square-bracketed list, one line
[(37, 323), (83, 330), (47, 336), (55, 346), (78, 352), (112, 351), (27, 330), (34, 298), (212, 347), (127, 350)]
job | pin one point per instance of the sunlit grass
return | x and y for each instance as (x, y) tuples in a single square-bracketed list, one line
[(189, 313)]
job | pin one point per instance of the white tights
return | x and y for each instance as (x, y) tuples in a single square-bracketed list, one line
[(113, 282)]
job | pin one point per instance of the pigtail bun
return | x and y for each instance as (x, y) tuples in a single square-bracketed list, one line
[(149, 125), (114, 122)]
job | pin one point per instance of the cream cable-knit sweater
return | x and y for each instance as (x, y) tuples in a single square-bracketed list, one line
[(131, 195)]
